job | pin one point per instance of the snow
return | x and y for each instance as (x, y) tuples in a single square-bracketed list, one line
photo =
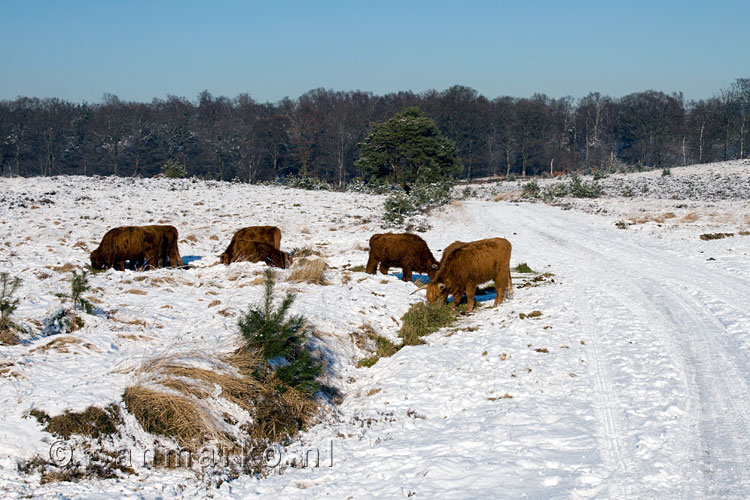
[(633, 383)]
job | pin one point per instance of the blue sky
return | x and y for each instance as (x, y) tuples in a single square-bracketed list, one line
[(138, 50)]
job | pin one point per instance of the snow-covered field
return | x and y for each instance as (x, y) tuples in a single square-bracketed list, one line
[(633, 383)]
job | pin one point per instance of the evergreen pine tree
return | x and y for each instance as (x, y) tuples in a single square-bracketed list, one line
[(279, 340)]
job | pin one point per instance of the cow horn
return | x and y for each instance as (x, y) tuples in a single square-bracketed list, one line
[(420, 288)]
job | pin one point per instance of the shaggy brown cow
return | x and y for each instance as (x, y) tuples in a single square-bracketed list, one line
[(470, 265), (257, 251), (266, 234), (142, 246), (405, 250)]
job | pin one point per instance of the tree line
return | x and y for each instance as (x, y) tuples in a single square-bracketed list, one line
[(317, 135)]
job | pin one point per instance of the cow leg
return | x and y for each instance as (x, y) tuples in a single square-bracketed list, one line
[(174, 258), (470, 289), (510, 284), (456, 294), (501, 286), (372, 264), (406, 275)]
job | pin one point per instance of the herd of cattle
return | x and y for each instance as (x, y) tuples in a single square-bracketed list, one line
[(463, 266)]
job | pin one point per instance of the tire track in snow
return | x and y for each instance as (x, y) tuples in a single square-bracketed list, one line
[(723, 389), (683, 442), (616, 453), (715, 376)]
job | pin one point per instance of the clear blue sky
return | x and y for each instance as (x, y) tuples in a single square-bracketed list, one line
[(78, 50)]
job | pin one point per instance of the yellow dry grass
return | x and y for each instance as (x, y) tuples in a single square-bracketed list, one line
[(309, 271), (65, 268), (512, 196), (59, 344), (691, 217), (9, 337), (171, 398), (170, 414), (136, 322)]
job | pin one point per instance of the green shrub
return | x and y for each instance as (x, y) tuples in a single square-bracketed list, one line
[(666, 172), (78, 286), (173, 169), (280, 341), (422, 319), (397, 207), (383, 348), (523, 268), (557, 190), (422, 197), (306, 182), (8, 305), (576, 188), (531, 190), (584, 189)]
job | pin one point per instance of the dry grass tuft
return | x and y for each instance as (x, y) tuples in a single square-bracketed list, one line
[(136, 322), (135, 291), (279, 415), (65, 268), (715, 236), (511, 196), (309, 271), (136, 338), (171, 400), (59, 344), (93, 421), (303, 252), (691, 217), (9, 337), (169, 414), (532, 314)]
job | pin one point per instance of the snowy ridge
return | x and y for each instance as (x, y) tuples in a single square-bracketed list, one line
[(633, 383)]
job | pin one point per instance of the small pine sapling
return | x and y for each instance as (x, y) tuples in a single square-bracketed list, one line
[(280, 341), (79, 286), (8, 305)]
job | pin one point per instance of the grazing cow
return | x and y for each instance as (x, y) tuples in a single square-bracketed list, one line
[(470, 265), (141, 246), (405, 250), (266, 234), (257, 251)]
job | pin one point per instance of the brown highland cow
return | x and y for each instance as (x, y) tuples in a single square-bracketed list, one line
[(257, 251), (405, 250), (266, 234), (141, 246), (470, 265)]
